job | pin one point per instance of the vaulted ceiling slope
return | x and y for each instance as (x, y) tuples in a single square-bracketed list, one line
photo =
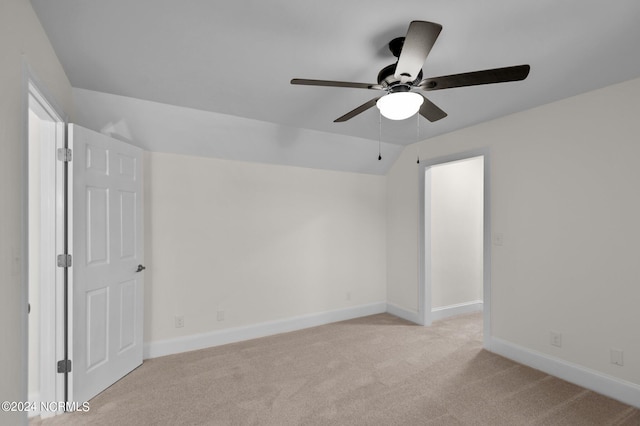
[(161, 127), (237, 58)]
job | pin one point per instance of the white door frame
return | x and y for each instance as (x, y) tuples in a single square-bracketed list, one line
[(424, 281), (52, 230)]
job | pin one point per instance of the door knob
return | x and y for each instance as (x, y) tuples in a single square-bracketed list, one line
[(141, 268)]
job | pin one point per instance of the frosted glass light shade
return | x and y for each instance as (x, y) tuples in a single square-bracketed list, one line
[(400, 105)]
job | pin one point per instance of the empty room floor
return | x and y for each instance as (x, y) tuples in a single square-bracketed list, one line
[(376, 370)]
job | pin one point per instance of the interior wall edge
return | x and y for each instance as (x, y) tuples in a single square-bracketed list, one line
[(400, 312)]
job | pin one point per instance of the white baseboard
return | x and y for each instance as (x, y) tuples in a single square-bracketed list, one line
[(237, 334), (613, 387), (403, 313), (457, 309)]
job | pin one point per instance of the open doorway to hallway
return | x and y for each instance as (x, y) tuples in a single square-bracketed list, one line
[(455, 276), (455, 227)]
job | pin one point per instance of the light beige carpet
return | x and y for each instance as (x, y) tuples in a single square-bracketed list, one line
[(377, 370)]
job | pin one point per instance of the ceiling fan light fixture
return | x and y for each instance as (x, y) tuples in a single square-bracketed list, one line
[(400, 105)]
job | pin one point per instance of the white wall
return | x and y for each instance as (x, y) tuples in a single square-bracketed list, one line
[(456, 216), (22, 39), (260, 242), (564, 193)]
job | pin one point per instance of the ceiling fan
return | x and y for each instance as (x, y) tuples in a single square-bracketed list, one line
[(403, 80)]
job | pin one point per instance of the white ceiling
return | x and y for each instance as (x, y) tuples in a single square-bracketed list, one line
[(237, 58)]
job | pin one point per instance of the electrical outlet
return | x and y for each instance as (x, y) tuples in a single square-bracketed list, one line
[(220, 315), (179, 321), (616, 357), (556, 339), (348, 296)]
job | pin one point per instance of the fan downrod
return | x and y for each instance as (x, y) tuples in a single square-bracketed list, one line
[(395, 46)]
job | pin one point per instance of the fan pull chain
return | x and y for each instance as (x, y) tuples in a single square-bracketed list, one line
[(379, 135), (418, 138)]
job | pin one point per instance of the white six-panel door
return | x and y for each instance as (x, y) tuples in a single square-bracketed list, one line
[(107, 292)]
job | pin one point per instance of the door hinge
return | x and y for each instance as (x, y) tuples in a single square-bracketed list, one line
[(64, 261), (64, 366), (64, 154)]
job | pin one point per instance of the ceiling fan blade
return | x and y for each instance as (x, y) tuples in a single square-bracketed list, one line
[(420, 38), (475, 78), (430, 111), (362, 108), (329, 83)]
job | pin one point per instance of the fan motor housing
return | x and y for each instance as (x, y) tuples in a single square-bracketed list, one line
[(387, 79)]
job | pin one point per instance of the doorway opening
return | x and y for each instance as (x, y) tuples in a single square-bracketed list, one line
[(44, 239), (454, 244)]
